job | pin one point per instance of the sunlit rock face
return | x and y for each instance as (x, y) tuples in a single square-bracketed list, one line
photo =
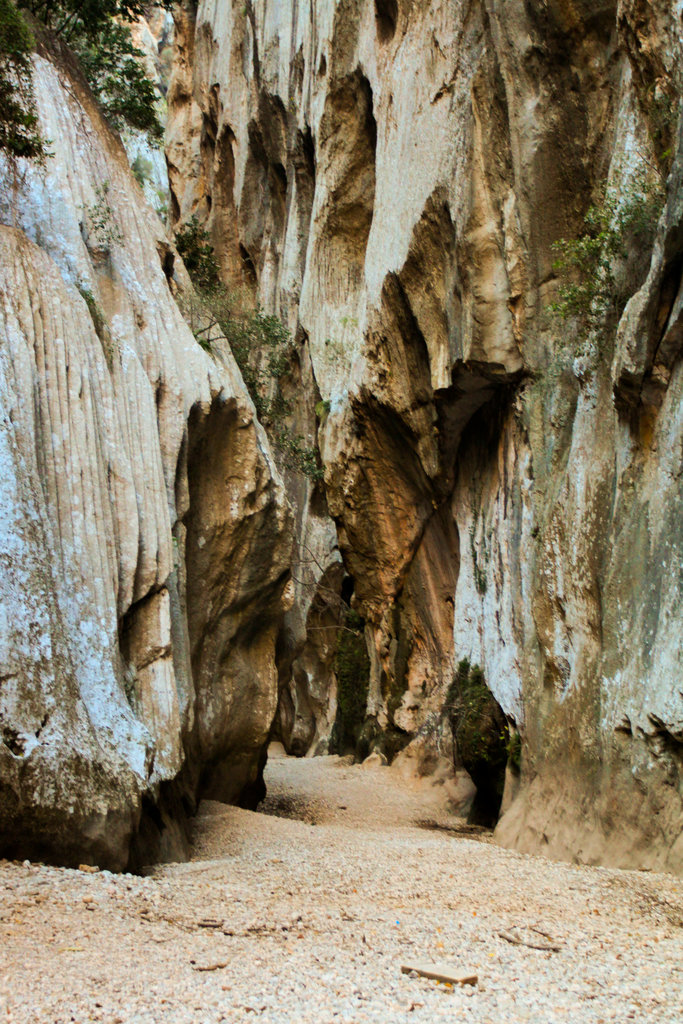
[(146, 536), (391, 177)]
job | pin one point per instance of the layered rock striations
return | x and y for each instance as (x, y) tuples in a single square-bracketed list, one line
[(393, 178), (146, 536)]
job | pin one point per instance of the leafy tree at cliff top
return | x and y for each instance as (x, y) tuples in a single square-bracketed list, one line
[(112, 65), (96, 31), (67, 17), (19, 133)]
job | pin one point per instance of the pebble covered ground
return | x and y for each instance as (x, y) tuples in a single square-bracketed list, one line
[(307, 913)]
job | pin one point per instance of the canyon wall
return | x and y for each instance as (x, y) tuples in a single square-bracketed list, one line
[(505, 485), (146, 535)]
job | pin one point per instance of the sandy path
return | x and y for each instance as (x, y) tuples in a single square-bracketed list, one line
[(280, 920)]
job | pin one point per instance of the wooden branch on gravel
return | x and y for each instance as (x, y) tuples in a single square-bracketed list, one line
[(445, 973), (517, 941)]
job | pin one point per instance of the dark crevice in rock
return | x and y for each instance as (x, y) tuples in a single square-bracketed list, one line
[(236, 573), (668, 330), (305, 660), (249, 12), (386, 16), (263, 209), (669, 740), (347, 141), (164, 830), (302, 161), (650, 336), (480, 739), (352, 672), (167, 260), (305, 650), (13, 740)]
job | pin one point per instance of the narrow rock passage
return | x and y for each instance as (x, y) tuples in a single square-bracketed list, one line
[(310, 918)]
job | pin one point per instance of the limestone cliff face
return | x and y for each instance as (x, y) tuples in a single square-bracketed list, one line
[(146, 536), (391, 177)]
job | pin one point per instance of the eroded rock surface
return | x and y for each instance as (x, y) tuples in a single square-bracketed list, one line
[(391, 178), (146, 536)]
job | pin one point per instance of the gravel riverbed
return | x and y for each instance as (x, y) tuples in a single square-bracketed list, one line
[(307, 912)]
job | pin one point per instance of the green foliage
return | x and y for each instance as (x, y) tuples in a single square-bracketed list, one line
[(96, 314), (297, 455), (322, 410), (480, 731), (162, 207), (142, 170), (115, 72), (113, 66), (102, 229), (590, 291), (67, 17), (130, 687), (100, 324), (19, 132), (352, 668), (260, 344), (479, 572), (194, 245), (514, 751), (662, 111), (480, 579), (334, 350), (96, 32)]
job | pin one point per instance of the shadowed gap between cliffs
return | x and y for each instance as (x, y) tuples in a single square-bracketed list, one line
[(228, 606)]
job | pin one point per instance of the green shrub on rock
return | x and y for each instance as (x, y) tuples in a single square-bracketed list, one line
[(194, 245), (596, 279), (352, 668), (116, 74), (480, 738), (19, 132), (514, 751), (98, 33), (260, 343)]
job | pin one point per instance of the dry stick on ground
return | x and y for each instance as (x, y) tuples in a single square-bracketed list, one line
[(516, 941), (441, 972)]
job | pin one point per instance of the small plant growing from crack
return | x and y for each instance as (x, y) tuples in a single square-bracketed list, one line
[(478, 556), (599, 270), (102, 230), (100, 324), (260, 343)]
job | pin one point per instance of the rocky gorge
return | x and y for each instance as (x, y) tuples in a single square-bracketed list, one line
[(469, 215)]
